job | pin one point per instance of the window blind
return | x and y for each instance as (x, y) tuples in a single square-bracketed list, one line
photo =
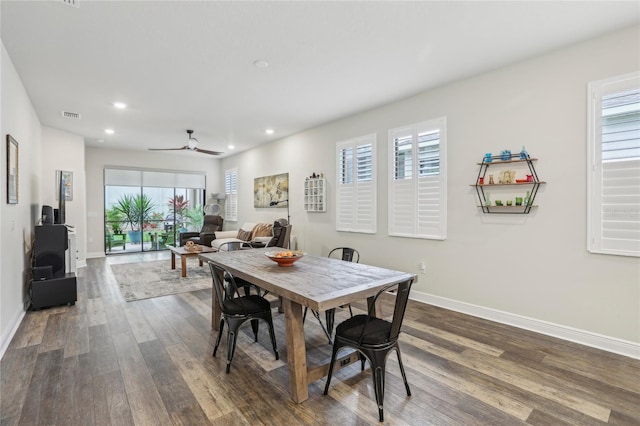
[(356, 187), (231, 194), (154, 178), (614, 166), (417, 183)]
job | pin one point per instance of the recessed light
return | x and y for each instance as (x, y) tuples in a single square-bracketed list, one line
[(260, 63), (119, 105), (231, 146), (269, 131), (109, 131)]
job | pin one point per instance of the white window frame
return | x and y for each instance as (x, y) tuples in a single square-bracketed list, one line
[(417, 205), (231, 195), (613, 185), (356, 186)]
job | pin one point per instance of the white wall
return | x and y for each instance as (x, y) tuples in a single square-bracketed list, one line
[(17, 220), (529, 267), (65, 151), (97, 159)]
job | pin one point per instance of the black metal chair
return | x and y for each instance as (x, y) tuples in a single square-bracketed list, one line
[(236, 310), (347, 254), (374, 338)]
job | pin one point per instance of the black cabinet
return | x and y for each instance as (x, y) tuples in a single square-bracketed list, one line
[(54, 292), (51, 285)]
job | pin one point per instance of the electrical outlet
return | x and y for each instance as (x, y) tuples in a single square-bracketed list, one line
[(422, 267)]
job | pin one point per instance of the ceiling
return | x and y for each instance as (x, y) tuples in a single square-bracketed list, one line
[(190, 64)]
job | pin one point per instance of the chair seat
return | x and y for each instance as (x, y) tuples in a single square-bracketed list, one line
[(252, 304), (377, 331)]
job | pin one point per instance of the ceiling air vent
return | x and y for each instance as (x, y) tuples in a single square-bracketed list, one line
[(74, 3), (71, 115)]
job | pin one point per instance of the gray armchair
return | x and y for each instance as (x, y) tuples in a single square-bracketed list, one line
[(212, 223)]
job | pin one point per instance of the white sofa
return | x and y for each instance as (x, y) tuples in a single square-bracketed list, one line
[(248, 232)]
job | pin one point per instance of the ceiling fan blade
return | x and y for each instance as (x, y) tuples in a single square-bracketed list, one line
[(168, 149), (206, 151)]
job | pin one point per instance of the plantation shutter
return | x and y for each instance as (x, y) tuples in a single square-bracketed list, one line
[(356, 186), (417, 183), (231, 194), (614, 193)]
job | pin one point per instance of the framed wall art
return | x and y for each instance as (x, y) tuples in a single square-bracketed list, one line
[(271, 190), (12, 170), (68, 184)]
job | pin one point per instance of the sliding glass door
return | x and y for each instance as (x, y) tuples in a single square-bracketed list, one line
[(150, 215)]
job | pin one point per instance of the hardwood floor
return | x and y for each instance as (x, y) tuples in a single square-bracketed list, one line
[(106, 361)]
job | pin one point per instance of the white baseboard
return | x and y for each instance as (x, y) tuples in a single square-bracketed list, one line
[(587, 338), (94, 255), (6, 339)]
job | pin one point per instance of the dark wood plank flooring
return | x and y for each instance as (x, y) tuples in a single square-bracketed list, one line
[(108, 362)]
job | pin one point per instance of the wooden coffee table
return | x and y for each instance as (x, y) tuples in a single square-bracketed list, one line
[(180, 251)]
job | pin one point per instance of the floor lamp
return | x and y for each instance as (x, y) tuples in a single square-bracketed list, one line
[(275, 203)]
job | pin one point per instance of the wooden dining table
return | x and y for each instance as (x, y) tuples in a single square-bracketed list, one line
[(318, 283)]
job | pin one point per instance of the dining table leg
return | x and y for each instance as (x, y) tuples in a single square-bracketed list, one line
[(216, 312), (296, 351)]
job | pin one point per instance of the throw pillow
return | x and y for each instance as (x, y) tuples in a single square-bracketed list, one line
[(244, 235), (262, 230)]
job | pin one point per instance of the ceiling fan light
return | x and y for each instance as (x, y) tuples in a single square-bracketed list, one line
[(193, 143)]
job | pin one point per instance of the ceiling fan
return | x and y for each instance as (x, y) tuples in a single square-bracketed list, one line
[(192, 145)]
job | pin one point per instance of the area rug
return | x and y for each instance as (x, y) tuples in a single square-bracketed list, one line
[(144, 280)]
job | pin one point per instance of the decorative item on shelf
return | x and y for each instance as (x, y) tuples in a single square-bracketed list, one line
[(487, 157), (191, 246), (504, 177), (524, 154)]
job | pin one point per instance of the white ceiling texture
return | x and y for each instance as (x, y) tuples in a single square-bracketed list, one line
[(191, 64)]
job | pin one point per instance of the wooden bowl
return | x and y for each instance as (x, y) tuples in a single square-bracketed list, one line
[(285, 260)]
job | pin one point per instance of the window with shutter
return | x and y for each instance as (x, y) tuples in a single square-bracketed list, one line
[(231, 194), (614, 166), (356, 185), (418, 180)]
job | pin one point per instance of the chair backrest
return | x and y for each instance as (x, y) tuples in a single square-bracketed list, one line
[(281, 234), (400, 306), (212, 223), (219, 287), (347, 254), (225, 287)]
